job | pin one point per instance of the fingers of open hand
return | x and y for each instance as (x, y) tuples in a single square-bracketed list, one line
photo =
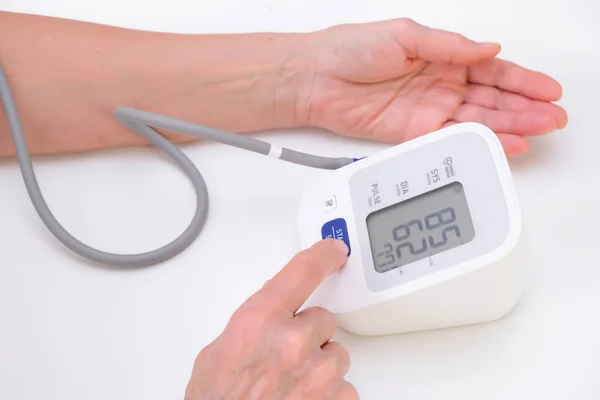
[(513, 116), (525, 123), (513, 101), (437, 45), (515, 78), (292, 286), (497, 99)]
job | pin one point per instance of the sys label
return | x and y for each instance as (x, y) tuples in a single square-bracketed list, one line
[(433, 176)]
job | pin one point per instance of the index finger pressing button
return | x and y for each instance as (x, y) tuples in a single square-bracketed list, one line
[(292, 286), (337, 229)]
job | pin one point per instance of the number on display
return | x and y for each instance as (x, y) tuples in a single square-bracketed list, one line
[(427, 229)]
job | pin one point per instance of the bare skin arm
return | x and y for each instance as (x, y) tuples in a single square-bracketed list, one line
[(387, 81), (68, 76)]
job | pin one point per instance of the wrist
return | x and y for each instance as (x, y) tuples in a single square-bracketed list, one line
[(238, 83)]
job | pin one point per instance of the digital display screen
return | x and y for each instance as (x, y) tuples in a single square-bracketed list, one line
[(420, 227)]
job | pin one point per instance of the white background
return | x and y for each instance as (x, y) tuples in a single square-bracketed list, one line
[(72, 331)]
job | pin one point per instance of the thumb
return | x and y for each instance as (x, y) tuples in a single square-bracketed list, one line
[(436, 45)]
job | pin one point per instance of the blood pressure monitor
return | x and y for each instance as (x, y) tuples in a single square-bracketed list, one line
[(432, 225), (433, 228)]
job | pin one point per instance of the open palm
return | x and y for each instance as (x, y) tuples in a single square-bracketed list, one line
[(395, 80)]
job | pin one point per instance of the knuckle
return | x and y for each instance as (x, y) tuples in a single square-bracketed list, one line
[(294, 340), (241, 320), (348, 392), (407, 23), (317, 311), (326, 367), (250, 317), (338, 349), (329, 318), (202, 355), (340, 354), (294, 347), (326, 319), (457, 38)]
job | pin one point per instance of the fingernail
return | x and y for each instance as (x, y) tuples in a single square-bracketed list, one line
[(489, 44)]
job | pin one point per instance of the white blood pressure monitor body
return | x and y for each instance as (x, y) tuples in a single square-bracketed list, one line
[(432, 226)]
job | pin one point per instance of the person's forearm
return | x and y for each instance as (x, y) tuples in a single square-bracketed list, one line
[(68, 77)]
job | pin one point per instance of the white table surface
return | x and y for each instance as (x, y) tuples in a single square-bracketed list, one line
[(71, 331)]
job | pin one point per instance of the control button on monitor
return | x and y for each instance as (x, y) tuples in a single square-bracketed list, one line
[(336, 229), (330, 204)]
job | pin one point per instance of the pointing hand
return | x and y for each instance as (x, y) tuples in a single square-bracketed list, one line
[(269, 350)]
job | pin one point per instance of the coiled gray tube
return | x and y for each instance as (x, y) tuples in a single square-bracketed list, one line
[(142, 123)]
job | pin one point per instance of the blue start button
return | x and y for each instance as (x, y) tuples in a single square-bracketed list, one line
[(336, 229)]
